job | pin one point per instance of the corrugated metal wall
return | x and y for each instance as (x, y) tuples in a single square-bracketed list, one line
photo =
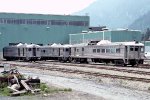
[(86, 37), (125, 35), (35, 33), (114, 36)]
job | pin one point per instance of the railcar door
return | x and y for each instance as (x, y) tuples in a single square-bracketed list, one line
[(18, 51), (23, 51), (137, 52), (134, 52), (82, 51), (74, 51), (126, 51), (34, 51)]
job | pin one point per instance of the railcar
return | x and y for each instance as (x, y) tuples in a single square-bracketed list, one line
[(33, 52), (22, 52), (65, 52), (126, 53), (46, 52), (10, 52), (55, 52)]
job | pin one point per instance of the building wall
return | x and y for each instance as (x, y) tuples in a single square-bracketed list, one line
[(147, 43), (125, 35), (113, 36), (89, 36), (38, 28)]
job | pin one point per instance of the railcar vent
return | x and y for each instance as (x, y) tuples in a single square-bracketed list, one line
[(12, 44), (93, 42), (136, 41), (40, 44)]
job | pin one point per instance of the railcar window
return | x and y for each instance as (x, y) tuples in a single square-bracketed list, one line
[(94, 50), (77, 50), (131, 49), (103, 50), (118, 50), (107, 50), (98, 50), (82, 49), (74, 49), (29, 49), (37, 49), (113, 50), (136, 48), (44, 51), (142, 49), (67, 49)]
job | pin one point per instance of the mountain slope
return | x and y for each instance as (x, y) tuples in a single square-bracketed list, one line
[(115, 13), (141, 23)]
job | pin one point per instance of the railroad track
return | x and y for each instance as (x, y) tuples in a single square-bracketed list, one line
[(119, 69), (96, 74), (40, 65), (102, 67)]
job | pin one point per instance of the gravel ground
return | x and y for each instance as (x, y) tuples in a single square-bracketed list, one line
[(74, 95), (110, 89), (104, 71), (125, 83), (71, 95), (107, 91)]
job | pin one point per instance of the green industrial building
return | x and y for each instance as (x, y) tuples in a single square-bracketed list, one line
[(39, 28), (122, 35)]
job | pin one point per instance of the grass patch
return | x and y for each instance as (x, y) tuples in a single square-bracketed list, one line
[(44, 89), (3, 89), (52, 89)]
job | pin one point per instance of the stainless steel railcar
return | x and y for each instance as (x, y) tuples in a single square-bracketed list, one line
[(22, 52), (126, 53), (55, 52)]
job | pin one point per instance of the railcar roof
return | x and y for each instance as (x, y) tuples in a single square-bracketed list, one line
[(56, 45), (67, 45), (108, 43), (132, 43), (80, 45), (103, 42)]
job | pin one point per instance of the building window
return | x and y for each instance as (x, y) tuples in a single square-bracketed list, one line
[(42, 22)]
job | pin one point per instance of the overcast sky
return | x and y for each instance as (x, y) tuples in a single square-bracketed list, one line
[(44, 6)]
